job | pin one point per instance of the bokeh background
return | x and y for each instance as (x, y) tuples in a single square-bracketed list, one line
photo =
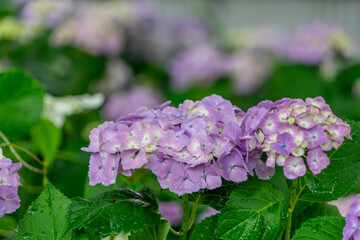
[(101, 59)]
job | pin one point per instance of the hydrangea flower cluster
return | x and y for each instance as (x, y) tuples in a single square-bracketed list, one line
[(289, 130), (188, 148), (195, 145), (9, 183), (351, 230)]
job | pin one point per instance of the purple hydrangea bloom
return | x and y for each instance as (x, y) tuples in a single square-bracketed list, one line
[(9, 183), (351, 230), (195, 145), (287, 128), (183, 146)]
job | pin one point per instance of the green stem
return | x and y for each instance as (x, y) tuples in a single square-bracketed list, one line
[(154, 232), (28, 153), (17, 156), (185, 217), (175, 232), (194, 210), (292, 203)]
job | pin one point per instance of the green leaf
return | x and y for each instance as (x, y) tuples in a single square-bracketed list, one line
[(218, 197), (45, 218), (21, 98), (115, 211), (206, 229), (341, 175), (312, 211), (83, 235), (321, 228), (158, 232), (255, 210), (46, 138)]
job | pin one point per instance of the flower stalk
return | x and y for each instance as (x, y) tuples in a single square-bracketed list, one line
[(294, 197), (185, 218)]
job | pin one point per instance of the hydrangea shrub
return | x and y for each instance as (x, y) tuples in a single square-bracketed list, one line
[(265, 174)]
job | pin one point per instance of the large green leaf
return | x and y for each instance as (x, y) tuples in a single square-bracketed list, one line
[(46, 138), (45, 218), (157, 232), (312, 211), (218, 197), (321, 228), (341, 175), (115, 211), (206, 229), (255, 210), (21, 99)]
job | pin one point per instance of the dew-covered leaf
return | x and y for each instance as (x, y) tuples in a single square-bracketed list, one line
[(321, 228), (312, 211), (218, 197), (256, 210), (115, 211), (157, 232), (206, 229), (45, 218)]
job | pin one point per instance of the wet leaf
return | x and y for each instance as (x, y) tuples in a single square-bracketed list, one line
[(206, 229), (45, 218), (256, 210), (321, 228), (115, 211)]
